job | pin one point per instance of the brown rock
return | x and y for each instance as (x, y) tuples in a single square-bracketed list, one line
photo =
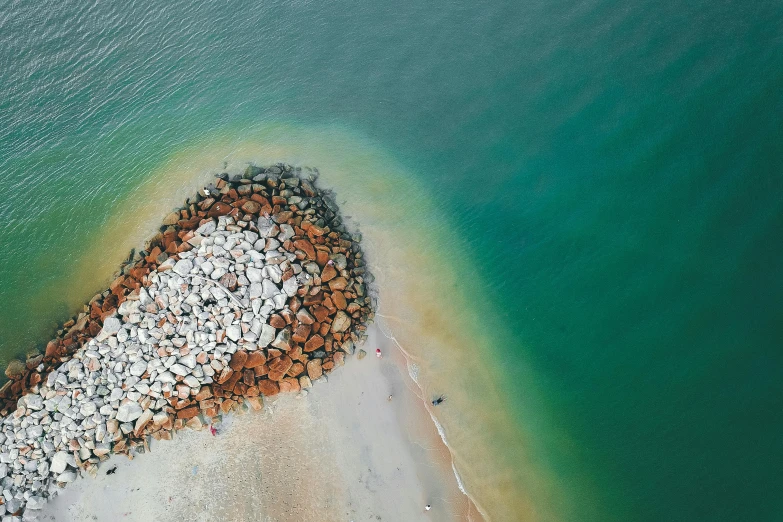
[(314, 343), (229, 280), (219, 209), (204, 393), (188, 413), (232, 381), (226, 405), (15, 369), (314, 370), (225, 375), (255, 403), (238, 360), (289, 385), (295, 369), (339, 283), (314, 298), (279, 366), (251, 207), (249, 377), (341, 322), (255, 359), (320, 313), (304, 316), (306, 247), (301, 333), (276, 321), (328, 273), (338, 298), (268, 387)]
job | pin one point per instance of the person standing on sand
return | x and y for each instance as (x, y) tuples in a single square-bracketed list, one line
[(378, 353), (427, 507)]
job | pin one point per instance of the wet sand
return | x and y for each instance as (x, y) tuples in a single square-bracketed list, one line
[(343, 452)]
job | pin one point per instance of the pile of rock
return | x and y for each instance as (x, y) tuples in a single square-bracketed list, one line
[(254, 288)]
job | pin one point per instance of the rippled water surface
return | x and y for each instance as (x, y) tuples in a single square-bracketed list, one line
[(576, 211)]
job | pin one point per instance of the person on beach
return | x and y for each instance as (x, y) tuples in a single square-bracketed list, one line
[(438, 400), (212, 430), (427, 507), (378, 353)]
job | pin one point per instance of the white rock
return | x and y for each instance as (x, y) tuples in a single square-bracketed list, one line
[(254, 275), (129, 411), (269, 289), (267, 336), (183, 267), (166, 377), (138, 368), (188, 360), (60, 460), (68, 476), (111, 326), (234, 332), (207, 228), (179, 370), (35, 502)]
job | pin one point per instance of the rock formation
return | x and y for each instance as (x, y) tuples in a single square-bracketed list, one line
[(255, 287)]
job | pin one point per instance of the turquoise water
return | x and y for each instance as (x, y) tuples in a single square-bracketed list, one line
[(614, 173)]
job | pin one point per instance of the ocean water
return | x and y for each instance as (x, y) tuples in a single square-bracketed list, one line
[(575, 210)]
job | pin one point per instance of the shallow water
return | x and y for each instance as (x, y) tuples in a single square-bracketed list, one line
[(574, 209)]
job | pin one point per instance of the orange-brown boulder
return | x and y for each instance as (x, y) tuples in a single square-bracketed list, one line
[(188, 413), (225, 375), (313, 343), (251, 207), (314, 369), (204, 393), (279, 366), (219, 209), (249, 377), (268, 387), (255, 359), (320, 313), (226, 405), (306, 247), (295, 369), (289, 385), (338, 283), (338, 298), (276, 321), (301, 333), (328, 273), (238, 360), (304, 317)]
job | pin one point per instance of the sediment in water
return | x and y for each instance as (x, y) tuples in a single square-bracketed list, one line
[(255, 287)]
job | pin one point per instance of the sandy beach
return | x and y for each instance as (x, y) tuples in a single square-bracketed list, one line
[(342, 452)]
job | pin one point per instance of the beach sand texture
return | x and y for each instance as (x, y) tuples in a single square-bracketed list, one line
[(343, 452)]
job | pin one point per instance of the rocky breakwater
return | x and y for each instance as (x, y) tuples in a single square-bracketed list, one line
[(254, 288)]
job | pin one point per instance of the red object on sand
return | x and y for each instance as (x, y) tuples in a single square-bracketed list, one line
[(378, 352), (212, 430)]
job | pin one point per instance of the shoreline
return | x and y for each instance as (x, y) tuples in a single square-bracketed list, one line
[(372, 457), (86, 456)]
